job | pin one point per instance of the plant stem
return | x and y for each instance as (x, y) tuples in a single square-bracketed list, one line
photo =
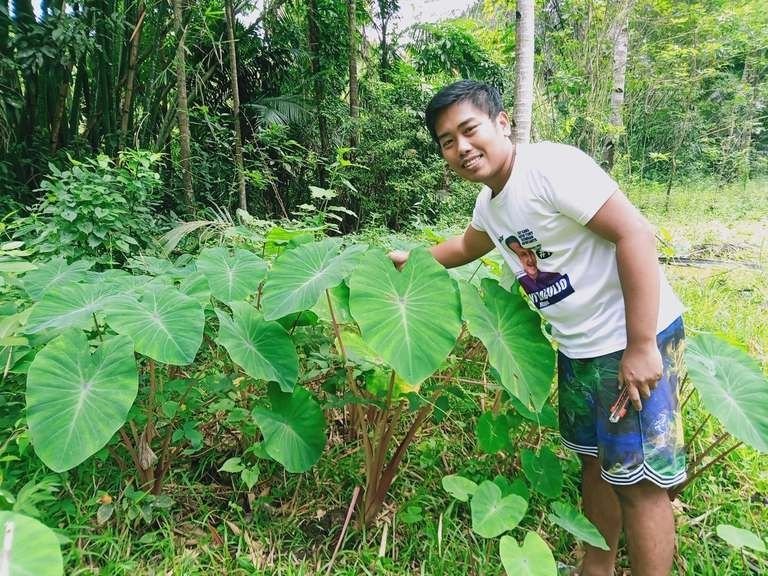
[(98, 329), (699, 429)]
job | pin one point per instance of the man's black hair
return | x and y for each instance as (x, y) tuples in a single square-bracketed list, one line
[(484, 96)]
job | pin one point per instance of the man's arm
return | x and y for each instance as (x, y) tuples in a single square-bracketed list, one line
[(621, 223), (455, 251)]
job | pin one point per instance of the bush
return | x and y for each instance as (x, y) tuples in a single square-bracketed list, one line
[(96, 209)]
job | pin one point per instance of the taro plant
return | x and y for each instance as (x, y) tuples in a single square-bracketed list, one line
[(733, 388)]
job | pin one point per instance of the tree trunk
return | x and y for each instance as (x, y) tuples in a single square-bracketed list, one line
[(61, 104), (182, 109), (620, 49), (130, 80), (314, 52), (354, 110), (230, 23), (524, 34)]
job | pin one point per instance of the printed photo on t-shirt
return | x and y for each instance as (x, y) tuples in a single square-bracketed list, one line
[(544, 288)]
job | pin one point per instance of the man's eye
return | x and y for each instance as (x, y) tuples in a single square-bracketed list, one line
[(447, 144), (470, 130)]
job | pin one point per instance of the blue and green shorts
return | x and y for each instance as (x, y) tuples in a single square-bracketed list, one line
[(644, 445)]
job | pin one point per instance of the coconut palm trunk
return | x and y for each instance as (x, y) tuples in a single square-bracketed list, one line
[(523, 108)]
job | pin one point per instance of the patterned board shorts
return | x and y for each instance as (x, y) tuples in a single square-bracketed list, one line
[(645, 445)]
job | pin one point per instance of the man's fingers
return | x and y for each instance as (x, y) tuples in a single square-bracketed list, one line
[(634, 397)]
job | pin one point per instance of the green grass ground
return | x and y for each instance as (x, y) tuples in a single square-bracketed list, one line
[(290, 524)]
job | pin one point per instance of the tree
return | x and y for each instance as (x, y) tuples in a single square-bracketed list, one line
[(182, 110), (354, 105), (230, 23), (524, 70), (620, 47)]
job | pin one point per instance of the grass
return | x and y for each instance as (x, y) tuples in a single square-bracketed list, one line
[(290, 524)]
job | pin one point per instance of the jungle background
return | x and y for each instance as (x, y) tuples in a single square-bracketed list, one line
[(138, 127)]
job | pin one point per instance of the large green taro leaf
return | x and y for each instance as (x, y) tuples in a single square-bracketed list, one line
[(493, 514), (511, 332), (29, 548), (410, 318), (301, 275), (573, 521), (231, 276), (533, 558), (732, 387), (69, 306), (55, 272), (77, 400), (293, 429), (263, 349), (165, 324)]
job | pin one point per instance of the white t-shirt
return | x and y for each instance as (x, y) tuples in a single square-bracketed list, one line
[(570, 274)]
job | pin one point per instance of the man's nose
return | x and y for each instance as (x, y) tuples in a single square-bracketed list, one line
[(463, 145)]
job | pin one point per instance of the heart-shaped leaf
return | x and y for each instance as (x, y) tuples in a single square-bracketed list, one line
[(511, 332), (493, 514), (732, 387), (231, 277), (459, 487), (77, 400), (543, 472), (492, 432), (69, 306), (29, 547), (300, 276), (263, 349), (533, 558), (55, 272), (165, 324), (410, 318), (196, 287), (573, 521), (740, 538), (293, 429)]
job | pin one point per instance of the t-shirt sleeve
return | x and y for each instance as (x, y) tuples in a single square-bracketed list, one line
[(576, 185)]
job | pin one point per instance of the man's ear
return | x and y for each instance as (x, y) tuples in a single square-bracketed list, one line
[(506, 125)]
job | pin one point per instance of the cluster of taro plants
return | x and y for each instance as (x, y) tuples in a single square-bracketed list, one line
[(112, 354)]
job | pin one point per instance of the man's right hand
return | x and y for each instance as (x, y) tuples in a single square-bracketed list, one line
[(399, 258)]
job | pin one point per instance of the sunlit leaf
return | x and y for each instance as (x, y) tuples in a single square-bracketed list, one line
[(511, 332), (573, 521), (231, 276), (29, 548), (533, 558), (732, 387), (165, 324), (494, 514), (459, 487), (263, 349), (410, 318), (300, 276), (76, 400)]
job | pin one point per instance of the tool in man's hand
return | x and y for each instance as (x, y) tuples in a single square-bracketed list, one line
[(619, 409)]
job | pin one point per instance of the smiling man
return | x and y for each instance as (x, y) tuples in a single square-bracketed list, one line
[(587, 260)]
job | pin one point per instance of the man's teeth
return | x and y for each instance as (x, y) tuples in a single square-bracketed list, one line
[(471, 162)]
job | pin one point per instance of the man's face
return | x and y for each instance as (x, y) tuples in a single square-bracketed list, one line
[(475, 146), (527, 259)]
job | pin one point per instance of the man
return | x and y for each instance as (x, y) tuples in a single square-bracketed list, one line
[(586, 258)]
